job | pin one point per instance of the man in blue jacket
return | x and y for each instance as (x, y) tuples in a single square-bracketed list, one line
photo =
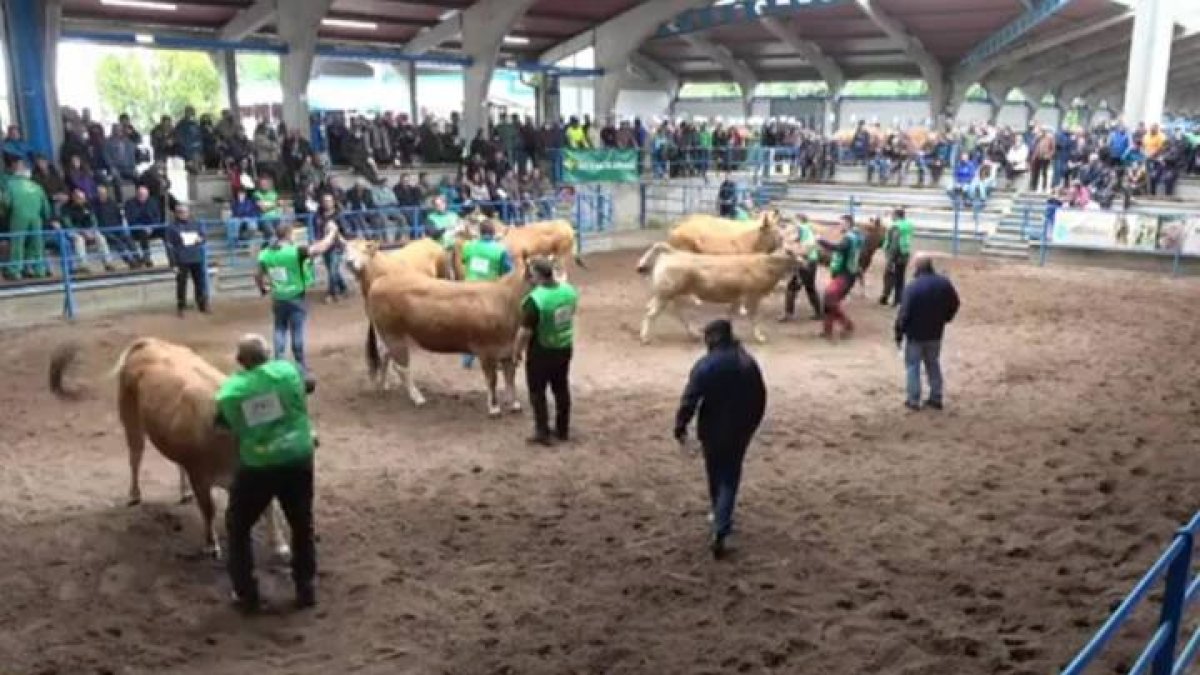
[(930, 302), (143, 217), (727, 387), (1118, 144), (185, 250)]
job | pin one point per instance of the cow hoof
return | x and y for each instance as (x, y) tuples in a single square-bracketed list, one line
[(419, 402), (515, 407), (283, 553), (213, 551), (133, 501), (494, 411)]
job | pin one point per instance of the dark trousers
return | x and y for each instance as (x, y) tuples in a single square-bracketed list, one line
[(250, 495), (1039, 174), (723, 464), (547, 367), (805, 277), (893, 279), (199, 287)]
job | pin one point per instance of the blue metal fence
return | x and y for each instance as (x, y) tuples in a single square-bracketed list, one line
[(229, 243), (1161, 655)]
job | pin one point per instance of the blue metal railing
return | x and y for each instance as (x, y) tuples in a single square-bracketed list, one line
[(589, 211), (1159, 656)]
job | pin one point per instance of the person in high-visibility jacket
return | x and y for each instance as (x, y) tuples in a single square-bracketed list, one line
[(577, 138), (265, 407), (898, 248), (285, 270), (442, 225), (805, 275), (547, 337), (843, 268), (484, 259)]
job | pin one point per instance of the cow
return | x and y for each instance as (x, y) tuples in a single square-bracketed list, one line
[(740, 281), (548, 238), (424, 256), (166, 392), (702, 233), (406, 308)]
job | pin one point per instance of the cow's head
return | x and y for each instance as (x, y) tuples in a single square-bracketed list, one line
[(768, 237), (359, 253)]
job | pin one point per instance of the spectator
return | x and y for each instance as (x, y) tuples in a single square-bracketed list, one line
[(1118, 144), (1017, 160), (379, 143), (540, 193), (162, 139), (189, 142), (112, 226), (121, 156), (727, 197), (74, 143), (297, 153), (442, 224), (529, 146), (80, 177), (79, 221), (982, 184), (131, 133), (388, 221), (577, 136), (51, 181), (329, 213), (267, 152), (405, 140), (357, 201), (15, 146), (1043, 155), (226, 127), (1063, 145), (930, 302), (185, 252), (358, 156), (267, 199), (210, 143), (410, 198), (1077, 195), (508, 135), (246, 219), (144, 219), (29, 211)]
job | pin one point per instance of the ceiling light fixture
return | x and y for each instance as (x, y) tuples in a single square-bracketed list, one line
[(142, 4), (350, 23), (515, 40), (143, 38), (447, 14)]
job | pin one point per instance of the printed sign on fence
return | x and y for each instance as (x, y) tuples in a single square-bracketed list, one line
[(599, 166), (1104, 229), (1180, 233)]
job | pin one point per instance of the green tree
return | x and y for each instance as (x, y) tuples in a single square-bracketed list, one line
[(150, 84), (257, 68)]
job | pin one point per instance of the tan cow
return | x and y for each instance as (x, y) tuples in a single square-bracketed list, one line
[(547, 238), (740, 281), (424, 256), (406, 308), (702, 233), (166, 392)]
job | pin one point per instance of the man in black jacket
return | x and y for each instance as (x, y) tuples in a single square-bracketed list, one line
[(185, 250), (112, 226), (728, 388), (930, 302), (727, 198)]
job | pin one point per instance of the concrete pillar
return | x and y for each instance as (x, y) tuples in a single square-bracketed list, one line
[(549, 100), (484, 26), (833, 113), (298, 27), (226, 62), (33, 31), (413, 105), (1149, 61), (748, 104)]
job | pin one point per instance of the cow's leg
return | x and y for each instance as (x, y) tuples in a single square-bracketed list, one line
[(677, 310), (400, 354), (202, 487), (751, 305), (653, 309), (510, 383), (185, 487), (135, 438), (488, 365)]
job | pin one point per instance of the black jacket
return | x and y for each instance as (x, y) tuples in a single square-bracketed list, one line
[(728, 388), (185, 244), (930, 302)]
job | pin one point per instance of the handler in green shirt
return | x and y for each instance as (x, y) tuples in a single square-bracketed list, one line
[(805, 275), (898, 248), (265, 407), (547, 337), (484, 259)]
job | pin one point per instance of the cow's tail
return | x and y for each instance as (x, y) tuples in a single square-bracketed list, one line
[(66, 356), (579, 250), (646, 263), (374, 361)]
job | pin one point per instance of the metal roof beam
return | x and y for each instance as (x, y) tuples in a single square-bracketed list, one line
[(720, 54), (830, 71), (445, 30), (248, 21), (652, 70), (640, 22), (996, 42), (931, 68)]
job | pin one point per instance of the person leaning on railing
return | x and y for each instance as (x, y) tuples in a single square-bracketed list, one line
[(143, 215), (112, 226), (29, 211)]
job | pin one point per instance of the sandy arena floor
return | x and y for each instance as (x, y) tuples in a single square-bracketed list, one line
[(993, 538)]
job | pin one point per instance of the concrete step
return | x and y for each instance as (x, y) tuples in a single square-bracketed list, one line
[(1005, 254)]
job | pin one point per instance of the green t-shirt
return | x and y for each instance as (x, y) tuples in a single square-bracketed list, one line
[(289, 277), (805, 236), (846, 263), (741, 214), (446, 223), (483, 259), (267, 411), (902, 236), (556, 307), (268, 203)]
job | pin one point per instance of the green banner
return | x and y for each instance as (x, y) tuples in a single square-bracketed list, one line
[(599, 166)]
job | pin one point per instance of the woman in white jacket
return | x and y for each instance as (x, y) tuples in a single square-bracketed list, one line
[(1018, 160)]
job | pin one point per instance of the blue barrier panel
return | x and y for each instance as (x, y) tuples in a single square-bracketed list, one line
[(1043, 245), (1159, 654)]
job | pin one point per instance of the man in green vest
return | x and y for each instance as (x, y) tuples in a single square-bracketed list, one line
[(28, 211), (484, 259), (898, 247), (285, 270), (843, 268), (547, 337), (805, 275), (264, 406)]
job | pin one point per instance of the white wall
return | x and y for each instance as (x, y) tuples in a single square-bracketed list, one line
[(724, 108), (646, 104), (887, 113)]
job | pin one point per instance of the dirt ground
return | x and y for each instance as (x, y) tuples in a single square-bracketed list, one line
[(992, 538)]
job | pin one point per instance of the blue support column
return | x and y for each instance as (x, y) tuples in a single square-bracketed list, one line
[(32, 33)]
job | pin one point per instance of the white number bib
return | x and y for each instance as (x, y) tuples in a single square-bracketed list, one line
[(563, 315), (190, 238), (262, 409), (279, 275), (480, 266)]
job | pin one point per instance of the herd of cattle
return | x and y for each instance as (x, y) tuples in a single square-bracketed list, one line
[(166, 391)]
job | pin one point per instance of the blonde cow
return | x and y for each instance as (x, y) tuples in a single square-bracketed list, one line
[(548, 238), (702, 233), (406, 309), (165, 392), (740, 281)]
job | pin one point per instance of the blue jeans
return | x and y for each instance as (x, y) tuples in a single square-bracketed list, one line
[(928, 352), (289, 318), (723, 464), (333, 263)]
